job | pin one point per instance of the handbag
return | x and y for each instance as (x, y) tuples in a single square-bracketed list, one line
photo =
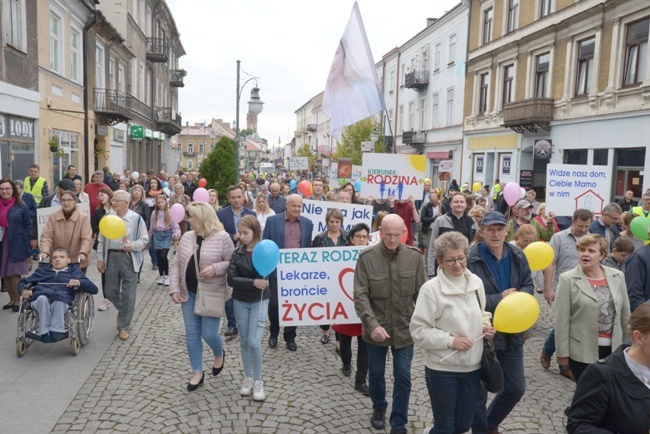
[(210, 299), (491, 372)]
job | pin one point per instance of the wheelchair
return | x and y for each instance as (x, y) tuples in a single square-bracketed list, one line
[(79, 322)]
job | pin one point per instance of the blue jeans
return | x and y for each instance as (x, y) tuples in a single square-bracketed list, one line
[(196, 327), (230, 315), (453, 399), (401, 389), (152, 253), (549, 345), (514, 387), (251, 325)]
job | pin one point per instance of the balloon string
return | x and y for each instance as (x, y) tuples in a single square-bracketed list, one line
[(446, 357)]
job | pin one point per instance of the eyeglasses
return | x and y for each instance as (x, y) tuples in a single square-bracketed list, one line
[(452, 261), (360, 237), (67, 200)]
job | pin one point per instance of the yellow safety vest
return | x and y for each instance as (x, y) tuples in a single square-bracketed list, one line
[(37, 191)]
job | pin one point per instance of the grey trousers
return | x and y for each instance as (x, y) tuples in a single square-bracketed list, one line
[(121, 286), (51, 316)]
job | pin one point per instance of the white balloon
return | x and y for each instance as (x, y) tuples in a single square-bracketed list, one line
[(523, 193), (135, 176)]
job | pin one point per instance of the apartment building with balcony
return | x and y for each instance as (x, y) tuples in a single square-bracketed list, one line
[(312, 129), (153, 78), (195, 142), (574, 75), (423, 84), (19, 97)]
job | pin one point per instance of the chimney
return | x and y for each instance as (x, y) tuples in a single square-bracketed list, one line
[(431, 21)]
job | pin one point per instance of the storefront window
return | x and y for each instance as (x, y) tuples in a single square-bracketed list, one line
[(575, 156), (69, 143), (600, 157)]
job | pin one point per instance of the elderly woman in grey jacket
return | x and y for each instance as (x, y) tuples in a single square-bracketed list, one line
[(448, 323), (213, 249)]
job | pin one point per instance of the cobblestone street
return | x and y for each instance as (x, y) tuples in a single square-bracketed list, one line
[(139, 386)]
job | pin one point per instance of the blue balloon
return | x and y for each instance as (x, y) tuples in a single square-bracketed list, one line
[(292, 184), (266, 256), (165, 184), (357, 185)]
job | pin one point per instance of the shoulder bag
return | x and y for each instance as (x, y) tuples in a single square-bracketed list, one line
[(210, 298), (491, 372)]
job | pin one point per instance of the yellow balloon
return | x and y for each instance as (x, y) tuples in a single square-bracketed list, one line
[(112, 227), (539, 254), (516, 313), (476, 187)]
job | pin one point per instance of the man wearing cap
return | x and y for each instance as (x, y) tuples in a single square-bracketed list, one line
[(66, 184), (35, 184), (523, 211), (92, 188), (504, 270)]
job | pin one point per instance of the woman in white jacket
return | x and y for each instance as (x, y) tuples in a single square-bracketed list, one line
[(448, 324)]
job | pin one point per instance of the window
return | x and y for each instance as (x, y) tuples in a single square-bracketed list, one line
[(69, 143), (56, 37), (436, 59), (585, 66), (423, 118), (141, 77), (541, 74), (636, 50), (452, 49), (100, 79), (544, 8), (483, 93), (401, 77), (450, 106), (600, 157), (190, 147), (508, 77), (201, 148), (488, 15), (189, 164), (111, 74), (392, 80), (410, 125), (75, 55), (14, 24), (212, 147), (575, 156), (400, 120), (513, 15), (147, 24), (434, 111), (120, 78), (134, 76)]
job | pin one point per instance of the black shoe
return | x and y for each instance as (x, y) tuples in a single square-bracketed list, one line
[(58, 336), (231, 332), (273, 341), (154, 267), (15, 308), (192, 387), (3, 289), (7, 306), (217, 371), (347, 370), (377, 418), (399, 431), (291, 345), (324, 339), (361, 387)]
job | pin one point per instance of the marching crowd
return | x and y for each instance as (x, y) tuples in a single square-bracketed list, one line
[(433, 280)]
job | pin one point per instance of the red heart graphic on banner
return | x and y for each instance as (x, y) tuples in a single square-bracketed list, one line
[(345, 291)]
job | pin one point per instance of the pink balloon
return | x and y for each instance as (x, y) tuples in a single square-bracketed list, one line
[(201, 195), (512, 193), (177, 212)]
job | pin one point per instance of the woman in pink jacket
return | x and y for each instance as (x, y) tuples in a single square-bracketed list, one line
[(213, 250)]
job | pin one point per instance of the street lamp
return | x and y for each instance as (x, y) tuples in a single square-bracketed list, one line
[(374, 136), (255, 106)]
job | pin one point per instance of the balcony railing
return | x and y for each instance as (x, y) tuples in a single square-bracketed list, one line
[(111, 106), (312, 128), (418, 80), (167, 121), (176, 77), (415, 139), (157, 50), (189, 154), (528, 114), (140, 108)]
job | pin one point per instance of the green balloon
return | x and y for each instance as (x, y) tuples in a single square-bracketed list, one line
[(639, 227)]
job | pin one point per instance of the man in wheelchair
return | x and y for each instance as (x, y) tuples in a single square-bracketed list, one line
[(50, 292)]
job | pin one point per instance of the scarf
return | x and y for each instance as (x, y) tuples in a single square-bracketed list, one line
[(154, 193), (5, 206)]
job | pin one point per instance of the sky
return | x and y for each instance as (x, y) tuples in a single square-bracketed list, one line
[(289, 44)]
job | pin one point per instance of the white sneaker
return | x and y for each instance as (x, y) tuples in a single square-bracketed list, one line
[(161, 281), (427, 430), (167, 280), (105, 305), (246, 387), (258, 391)]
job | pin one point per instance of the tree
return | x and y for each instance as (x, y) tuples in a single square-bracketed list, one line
[(246, 132), (305, 151), (219, 167), (349, 146)]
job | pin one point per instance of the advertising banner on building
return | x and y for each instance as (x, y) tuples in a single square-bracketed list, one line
[(315, 211), (399, 175), (573, 186), (315, 286)]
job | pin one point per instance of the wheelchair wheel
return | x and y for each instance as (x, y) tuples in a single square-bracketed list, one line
[(27, 322), (21, 346), (85, 317), (74, 345)]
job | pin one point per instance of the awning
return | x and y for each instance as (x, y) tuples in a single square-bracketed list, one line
[(438, 154)]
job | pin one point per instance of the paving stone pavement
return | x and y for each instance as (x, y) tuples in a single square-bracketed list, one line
[(140, 386)]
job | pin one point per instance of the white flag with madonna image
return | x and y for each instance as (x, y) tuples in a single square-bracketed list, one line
[(352, 91)]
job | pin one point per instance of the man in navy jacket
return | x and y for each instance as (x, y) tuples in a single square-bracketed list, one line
[(289, 230), (229, 216)]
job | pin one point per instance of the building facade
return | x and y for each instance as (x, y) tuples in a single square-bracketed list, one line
[(195, 142), (558, 81), (19, 97)]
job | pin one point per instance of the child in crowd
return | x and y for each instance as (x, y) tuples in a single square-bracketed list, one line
[(622, 248), (162, 230)]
